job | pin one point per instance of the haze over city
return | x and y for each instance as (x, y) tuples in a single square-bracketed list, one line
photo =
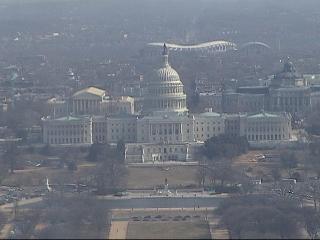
[(159, 119)]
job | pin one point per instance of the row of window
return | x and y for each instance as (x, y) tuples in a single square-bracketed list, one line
[(67, 132), (290, 102), (165, 150), (208, 129), (98, 130), (251, 104), (123, 124), (168, 90), (171, 104), (265, 137), (165, 131), (66, 126), (100, 138), (128, 137), (117, 130), (212, 123), (161, 139), (207, 136), (66, 140)]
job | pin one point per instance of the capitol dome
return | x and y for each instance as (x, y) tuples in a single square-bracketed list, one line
[(167, 74), (164, 89)]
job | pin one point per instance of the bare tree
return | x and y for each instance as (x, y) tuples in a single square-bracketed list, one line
[(201, 173), (11, 156), (311, 222)]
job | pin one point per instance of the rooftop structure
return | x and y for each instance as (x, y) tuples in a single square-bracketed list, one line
[(90, 91)]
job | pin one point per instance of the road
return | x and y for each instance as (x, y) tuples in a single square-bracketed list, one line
[(153, 202), (25, 202), (163, 202)]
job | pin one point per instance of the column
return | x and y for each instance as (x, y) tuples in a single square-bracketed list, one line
[(78, 106)]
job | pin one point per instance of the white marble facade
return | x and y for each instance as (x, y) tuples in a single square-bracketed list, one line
[(165, 131)]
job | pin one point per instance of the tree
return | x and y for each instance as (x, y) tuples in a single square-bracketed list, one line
[(312, 123), (201, 173), (121, 147), (46, 150), (312, 188), (11, 156), (260, 214), (70, 157), (72, 165), (224, 146), (312, 156), (64, 215), (288, 161), (311, 222), (110, 170), (109, 176), (217, 169), (224, 172), (276, 174), (95, 152)]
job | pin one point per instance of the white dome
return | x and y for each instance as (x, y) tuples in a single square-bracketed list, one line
[(165, 90), (167, 74)]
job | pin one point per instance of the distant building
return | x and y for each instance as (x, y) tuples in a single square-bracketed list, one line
[(90, 101), (265, 128), (57, 107), (87, 101), (164, 90), (207, 125), (288, 91), (67, 130), (166, 131), (211, 100), (118, 105), (121, 127)]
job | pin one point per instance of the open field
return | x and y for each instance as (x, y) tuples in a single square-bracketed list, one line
[(149, 177), (168, 230), (162, 223), (37, 176), (118, 230)]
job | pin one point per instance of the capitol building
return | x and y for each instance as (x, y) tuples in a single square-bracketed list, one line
[(164, 130)]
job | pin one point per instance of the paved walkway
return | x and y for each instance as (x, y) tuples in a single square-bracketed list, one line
[(8, 206), (217, 232), (5, 231), (118, 230)]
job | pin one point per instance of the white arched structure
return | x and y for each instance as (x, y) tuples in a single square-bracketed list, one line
[(214, 46), (255, 44)]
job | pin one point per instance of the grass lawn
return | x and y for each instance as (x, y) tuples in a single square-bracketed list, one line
[(148, 177), (37, 176), (168, 230)]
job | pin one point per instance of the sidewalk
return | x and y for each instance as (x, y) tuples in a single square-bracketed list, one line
[(178, 195), (118, 230)]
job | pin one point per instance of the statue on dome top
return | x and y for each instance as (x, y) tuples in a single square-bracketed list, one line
[(165, 49)]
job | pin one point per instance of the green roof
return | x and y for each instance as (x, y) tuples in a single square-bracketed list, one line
[(210, 114), (69, 118), (263, 115)]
